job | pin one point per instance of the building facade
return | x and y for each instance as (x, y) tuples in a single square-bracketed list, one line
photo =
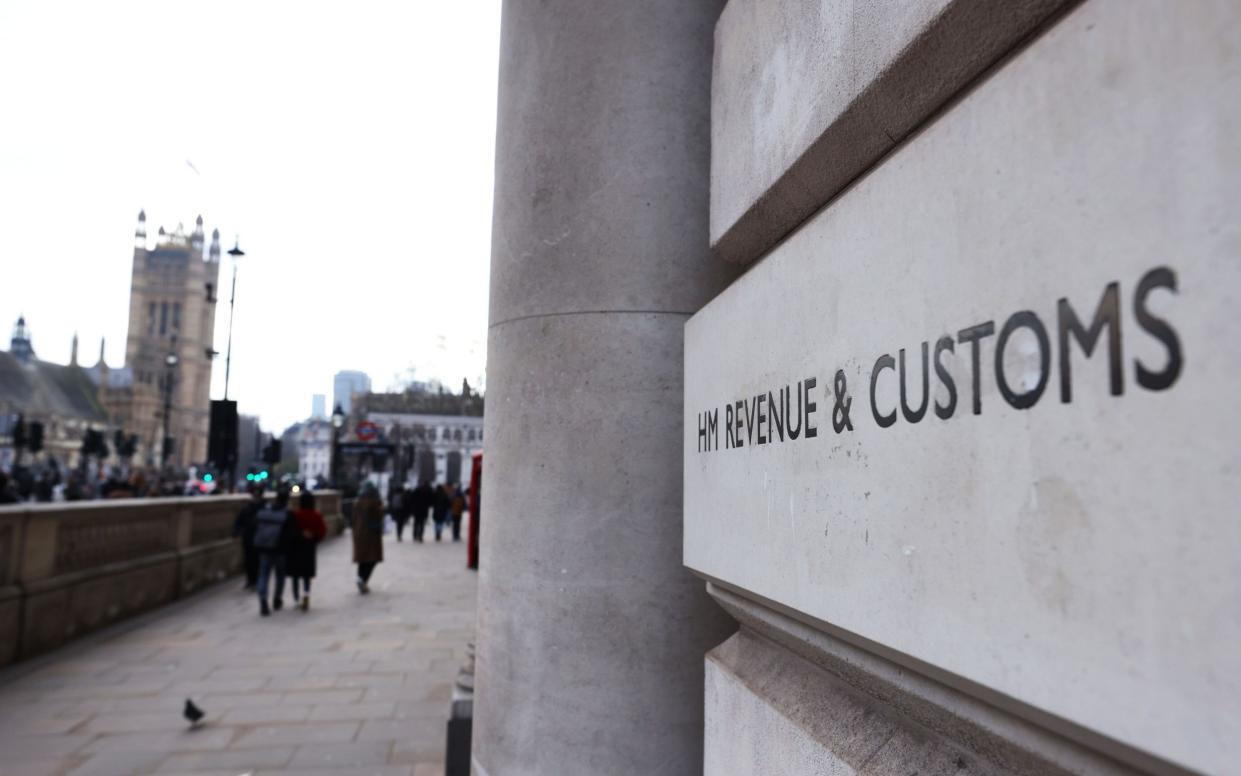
[(346, 385), (170, 345), (62, 398), (314, 450), (861, 389), (433, 435)]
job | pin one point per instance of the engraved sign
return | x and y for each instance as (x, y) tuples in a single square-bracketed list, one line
[(982, 410)]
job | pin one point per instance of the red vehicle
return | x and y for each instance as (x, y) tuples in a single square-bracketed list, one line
[(476, 510)]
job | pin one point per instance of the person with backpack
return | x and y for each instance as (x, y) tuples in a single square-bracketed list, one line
[(275, 535), (311, 528)]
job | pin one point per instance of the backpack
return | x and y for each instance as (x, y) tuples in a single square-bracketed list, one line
[(269, 525)]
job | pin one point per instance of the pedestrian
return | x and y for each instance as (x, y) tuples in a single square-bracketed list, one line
[(8, 494), (398, 503), (441, 507), (456, 507), (368, 528), (311, 530), (243, 531), (275, 534), (421, 502)]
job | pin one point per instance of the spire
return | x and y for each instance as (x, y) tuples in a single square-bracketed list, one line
[(20, 345), (196, 239), (102, 363), (214, 253), (73, 351), (140, 234)]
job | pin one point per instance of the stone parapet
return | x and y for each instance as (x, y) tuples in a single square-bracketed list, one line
[(69, 568)]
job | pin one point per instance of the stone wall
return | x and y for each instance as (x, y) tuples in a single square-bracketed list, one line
[(67, 569), (1024, 562)]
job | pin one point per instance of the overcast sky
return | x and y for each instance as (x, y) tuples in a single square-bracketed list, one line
[(349, 145)]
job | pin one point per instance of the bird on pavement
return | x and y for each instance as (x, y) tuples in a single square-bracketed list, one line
[(193, 713)]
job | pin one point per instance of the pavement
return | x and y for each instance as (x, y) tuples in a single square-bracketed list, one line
[(357, 685)]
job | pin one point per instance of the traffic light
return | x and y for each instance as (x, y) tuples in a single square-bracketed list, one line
[(19, 433), (222, 433), (272, 452)]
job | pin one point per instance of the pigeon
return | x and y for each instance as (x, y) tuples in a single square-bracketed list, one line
[(193, 713)]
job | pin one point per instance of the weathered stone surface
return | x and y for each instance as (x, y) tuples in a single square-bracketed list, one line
[(769, 711), (808, 95), (602, 154), (571, 567), (1060, 560), (591, 633)]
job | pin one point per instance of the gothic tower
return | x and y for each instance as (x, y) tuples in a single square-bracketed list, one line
[(170, 345)]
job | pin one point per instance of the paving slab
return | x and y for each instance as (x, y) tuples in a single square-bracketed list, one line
[(358, 684)]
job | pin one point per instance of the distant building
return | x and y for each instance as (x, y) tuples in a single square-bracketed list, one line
[(62, 398), (314, 449), (249, 440), (318, 406), (433, 434), (346, 385)]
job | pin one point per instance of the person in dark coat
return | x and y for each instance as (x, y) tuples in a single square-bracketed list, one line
[(441, 507), (456, 509), (398, 504), (368, 534), (275, 535), (421, 501), (243, 530), (311, 530)]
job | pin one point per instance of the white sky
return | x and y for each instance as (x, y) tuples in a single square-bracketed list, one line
[(349, 145)]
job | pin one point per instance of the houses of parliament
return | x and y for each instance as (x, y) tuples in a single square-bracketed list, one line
[(168, 359)]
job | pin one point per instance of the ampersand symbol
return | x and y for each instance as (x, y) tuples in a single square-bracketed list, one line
[(840, 413)]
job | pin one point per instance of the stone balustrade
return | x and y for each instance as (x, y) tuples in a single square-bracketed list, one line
[(69, 568)]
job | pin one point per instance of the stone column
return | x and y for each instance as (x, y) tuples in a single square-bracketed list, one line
[(591, 633)]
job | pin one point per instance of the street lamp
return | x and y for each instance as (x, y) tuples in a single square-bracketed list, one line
[(338, 420), (236, 253), (170, 361)]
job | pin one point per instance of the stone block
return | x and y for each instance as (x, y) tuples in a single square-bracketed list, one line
[(583, 545), (807, 95), (70, 605), (207, 564), (769, 711), (10, 623), (599, 195), (1062, 542)]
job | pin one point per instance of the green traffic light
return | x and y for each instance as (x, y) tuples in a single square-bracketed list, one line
[(207, 478), (249, 478)]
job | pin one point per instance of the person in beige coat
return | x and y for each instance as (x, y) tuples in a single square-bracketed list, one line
[(368, 534)]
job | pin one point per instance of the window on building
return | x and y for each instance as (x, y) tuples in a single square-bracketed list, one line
[(176, 316), (151, 319), (211, 292), (163, 317)]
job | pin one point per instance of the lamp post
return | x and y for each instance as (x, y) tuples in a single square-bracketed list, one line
[(338, 420), (236, 253), (170, 361)]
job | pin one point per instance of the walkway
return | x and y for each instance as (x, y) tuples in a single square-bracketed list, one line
[(359, 684)]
